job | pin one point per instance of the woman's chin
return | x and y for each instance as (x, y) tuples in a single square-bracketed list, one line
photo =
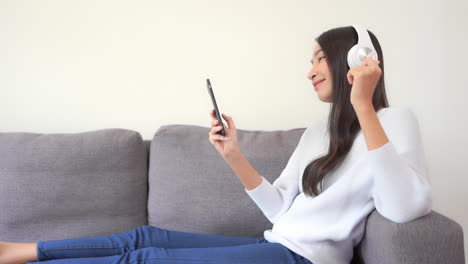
[(319, 96), (325, 100)]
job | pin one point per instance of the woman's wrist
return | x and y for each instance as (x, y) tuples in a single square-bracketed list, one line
[(236, 154)]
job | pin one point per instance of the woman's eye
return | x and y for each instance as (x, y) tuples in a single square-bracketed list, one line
[(321, 58)]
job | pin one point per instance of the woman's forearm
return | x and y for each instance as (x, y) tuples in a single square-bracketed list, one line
[(249, 177)]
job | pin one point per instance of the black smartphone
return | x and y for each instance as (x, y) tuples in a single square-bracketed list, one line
[(218, 114)]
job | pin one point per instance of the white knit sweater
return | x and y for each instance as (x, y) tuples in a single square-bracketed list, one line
[(392, 179)]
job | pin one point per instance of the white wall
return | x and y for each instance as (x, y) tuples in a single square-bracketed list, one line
[(73, 66)]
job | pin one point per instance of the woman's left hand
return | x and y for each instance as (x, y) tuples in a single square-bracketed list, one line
[(364, 79)]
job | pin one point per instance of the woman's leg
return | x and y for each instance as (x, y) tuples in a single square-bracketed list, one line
[(257, 253), (138, 238), (11, 252)]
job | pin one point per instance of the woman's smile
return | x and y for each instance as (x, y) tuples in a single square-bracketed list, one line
[(318, 83)]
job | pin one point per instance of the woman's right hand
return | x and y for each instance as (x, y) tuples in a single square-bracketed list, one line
[(225, 145)]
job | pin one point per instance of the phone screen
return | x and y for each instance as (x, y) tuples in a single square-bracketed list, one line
[(218, 114)]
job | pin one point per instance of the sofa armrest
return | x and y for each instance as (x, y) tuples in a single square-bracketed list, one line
[(433, 238)]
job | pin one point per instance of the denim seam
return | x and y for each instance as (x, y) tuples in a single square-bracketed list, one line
[(145, 246)]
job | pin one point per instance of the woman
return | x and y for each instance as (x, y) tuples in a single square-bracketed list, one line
[(367, 156)]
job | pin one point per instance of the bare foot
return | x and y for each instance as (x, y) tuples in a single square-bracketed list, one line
[(17, 253)]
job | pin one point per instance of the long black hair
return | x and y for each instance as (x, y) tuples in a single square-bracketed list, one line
[(343, 124)]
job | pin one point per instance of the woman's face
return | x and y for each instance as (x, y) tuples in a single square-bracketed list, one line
[(318, 72)]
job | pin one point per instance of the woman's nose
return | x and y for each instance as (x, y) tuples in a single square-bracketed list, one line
[(311, 74)]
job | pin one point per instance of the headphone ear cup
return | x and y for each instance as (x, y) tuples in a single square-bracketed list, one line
[(357, 54), (353, 60)]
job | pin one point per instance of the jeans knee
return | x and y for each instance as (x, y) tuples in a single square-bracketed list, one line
[(144, 235), (146, 229)]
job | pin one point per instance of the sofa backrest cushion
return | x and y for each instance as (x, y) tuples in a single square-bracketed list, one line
[(193, 189), (58, 186)]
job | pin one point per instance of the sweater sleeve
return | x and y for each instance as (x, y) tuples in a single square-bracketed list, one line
[(275, 199), (401, 189)]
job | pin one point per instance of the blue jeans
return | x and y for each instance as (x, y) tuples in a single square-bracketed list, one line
[(150, 244)]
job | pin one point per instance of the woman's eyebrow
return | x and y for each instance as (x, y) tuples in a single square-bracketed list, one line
[(315, 54)]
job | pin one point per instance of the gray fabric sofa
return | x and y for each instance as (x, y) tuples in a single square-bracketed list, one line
[(97, 183)]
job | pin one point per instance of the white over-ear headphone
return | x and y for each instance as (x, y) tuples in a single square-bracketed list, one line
[(363, 49)]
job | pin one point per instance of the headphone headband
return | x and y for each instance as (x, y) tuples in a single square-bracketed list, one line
[(363, 49)]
